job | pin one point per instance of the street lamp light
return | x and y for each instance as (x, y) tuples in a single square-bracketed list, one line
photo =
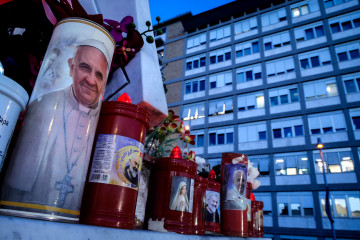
[(320, 146)]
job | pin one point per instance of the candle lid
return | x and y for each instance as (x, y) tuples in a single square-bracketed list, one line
[(14, 90)]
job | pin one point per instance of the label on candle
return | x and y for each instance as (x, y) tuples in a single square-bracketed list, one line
[(182, 194), (117, 160), (212, 206), (234, 187)]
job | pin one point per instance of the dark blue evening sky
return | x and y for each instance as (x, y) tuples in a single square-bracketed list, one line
[(168, 9)]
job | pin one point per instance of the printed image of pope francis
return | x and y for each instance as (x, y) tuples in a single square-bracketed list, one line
[(52, 152)]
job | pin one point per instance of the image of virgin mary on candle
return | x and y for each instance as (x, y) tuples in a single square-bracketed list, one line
[(180, 194)]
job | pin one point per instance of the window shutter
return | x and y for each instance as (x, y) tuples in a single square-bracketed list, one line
[(185, 112), (309, 90), (201, 110), (325, 56), (245, 25), (242, 134), (193, 111), (339, 120), (253, 23), (228, 105), (213, 35), (212, 108), (238, 28), (314, 122), (196, 41), (285, 37), (299, 33), (281, 13), (289, 63), (326, 121), (220, 33), (228, 78), (265, 20), (252, 134), (320, 88), (280, 67), (274, 18), (227, 31), (270, 68), (220, 80), (203, 38), (220, 106), (241, 101), (276, 39), (250, 100), (190, 43)]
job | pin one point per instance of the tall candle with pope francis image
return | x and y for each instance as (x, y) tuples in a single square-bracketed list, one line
[(47, 170)]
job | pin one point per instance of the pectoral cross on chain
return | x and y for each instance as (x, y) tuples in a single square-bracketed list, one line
[(65, 188)]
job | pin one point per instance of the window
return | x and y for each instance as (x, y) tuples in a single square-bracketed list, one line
[(283, 95), (273, 17), (219, 55), (331, 3), (247, 48), (300, 11), (194, 86), (200, 140), (348, 51), (251, 101), (336, 161), (277, 40), (221, 136), (250, 132), (299, 130), (277, 133), (262, 135), (342, 204), (193, 111), (291, 163), (280, 66), (287, 127), (319, 123), (193, 62), (212, 139), (221, 79), (320, 89), (355, 118), (220, 106), (245, 26), (344, 22), (220, 33), (352, 83), (295, 204), (249, 73), (261, 163), (315, 58), (196, 41)]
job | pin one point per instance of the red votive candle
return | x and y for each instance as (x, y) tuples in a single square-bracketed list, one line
[(257, 218), (112, 183), (199, 205), (233, 194), (171, 195), (248, 198)]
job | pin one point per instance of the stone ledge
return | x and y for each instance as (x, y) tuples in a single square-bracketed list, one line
[(16, 228)]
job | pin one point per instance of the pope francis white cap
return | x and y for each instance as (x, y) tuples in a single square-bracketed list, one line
[(99, 45)]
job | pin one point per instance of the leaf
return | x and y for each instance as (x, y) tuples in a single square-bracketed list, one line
[(49, 14)]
